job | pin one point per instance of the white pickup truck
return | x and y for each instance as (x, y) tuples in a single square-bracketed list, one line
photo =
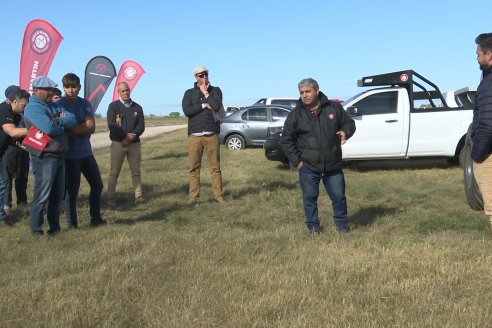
[(407, 118)]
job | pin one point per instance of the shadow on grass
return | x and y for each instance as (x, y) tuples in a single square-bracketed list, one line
[(270, 186), (169, 155), (408, 164), (366, 216), (160, 214)]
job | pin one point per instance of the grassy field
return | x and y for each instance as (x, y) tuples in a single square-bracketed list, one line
[(417, 256), (102, 126)]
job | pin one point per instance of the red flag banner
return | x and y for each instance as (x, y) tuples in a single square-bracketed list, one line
[(39, 46), (99, 73), (130, 72)]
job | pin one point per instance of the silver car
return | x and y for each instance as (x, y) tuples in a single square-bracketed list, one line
[(248, 125)]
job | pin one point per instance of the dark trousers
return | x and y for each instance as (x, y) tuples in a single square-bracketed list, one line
[(73, 170), (15, 168), (334, 183)]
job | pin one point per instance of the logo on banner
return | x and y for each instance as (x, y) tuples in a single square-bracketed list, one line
[(130, 73), (101, 68), (40, 41)]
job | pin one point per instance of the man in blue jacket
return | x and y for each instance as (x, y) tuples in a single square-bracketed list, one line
[(482, 123), (313, 134), (49, 168), (79, 158)]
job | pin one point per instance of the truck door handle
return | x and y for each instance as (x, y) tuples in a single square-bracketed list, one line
[(391, 121)]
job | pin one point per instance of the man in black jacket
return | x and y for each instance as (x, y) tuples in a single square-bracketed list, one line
[(482, 123), (126, 124), (201, 104), (313, 134)]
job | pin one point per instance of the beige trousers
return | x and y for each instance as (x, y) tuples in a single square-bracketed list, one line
[(483, 175), (196, 147), (134, 155)]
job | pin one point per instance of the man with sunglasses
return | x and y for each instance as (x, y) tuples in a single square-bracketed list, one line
[(201, 104), (49, 168)]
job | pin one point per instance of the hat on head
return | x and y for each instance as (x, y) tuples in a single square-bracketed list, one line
[(11, 91), (200, 69), (43, 82)]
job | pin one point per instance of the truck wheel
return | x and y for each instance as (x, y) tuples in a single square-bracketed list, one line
[(472, 192), (235, 142)]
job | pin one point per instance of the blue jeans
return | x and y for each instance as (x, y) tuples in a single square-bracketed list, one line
[(3, 215), (334, 183), (73, 169), (49, 186)]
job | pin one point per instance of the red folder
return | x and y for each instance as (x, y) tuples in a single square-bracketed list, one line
[(35, 141)]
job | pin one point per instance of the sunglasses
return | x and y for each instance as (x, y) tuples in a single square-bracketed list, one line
[(202, 75)]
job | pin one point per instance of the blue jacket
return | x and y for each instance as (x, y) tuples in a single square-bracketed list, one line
[(482, 119), (49, 119), (79, 146)]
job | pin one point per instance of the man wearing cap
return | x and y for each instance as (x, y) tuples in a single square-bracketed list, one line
[(10, 115), (49, 168), (201, 105)]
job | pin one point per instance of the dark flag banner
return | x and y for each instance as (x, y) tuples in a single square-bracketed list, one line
[(99, 73), (130, 72), (39, 46)]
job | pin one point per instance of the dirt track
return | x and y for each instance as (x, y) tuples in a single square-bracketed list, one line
[(101, 139)]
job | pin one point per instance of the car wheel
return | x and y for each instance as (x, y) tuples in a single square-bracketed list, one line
[(235, 142), (472, 192)]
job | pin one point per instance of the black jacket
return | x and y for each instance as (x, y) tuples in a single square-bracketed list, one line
[(482, 119), (123, 120), (199, 119), (313, 140)]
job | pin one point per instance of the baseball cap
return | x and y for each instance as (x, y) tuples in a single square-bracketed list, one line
[(11, 91)]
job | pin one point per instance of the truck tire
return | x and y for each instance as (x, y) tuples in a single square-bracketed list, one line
[(472, 192)]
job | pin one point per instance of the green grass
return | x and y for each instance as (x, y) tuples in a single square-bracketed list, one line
[(417, 256), (102, 125)]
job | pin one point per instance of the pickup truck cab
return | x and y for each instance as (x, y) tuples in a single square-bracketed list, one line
[(407, 118)]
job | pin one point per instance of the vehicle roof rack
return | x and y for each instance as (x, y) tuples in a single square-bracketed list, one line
[(408, 79)]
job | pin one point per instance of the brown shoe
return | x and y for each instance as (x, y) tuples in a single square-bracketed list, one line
[(220, 201), (139, 200), (193, 202)]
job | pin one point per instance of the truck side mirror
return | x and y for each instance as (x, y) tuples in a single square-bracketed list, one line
[(352, 111)]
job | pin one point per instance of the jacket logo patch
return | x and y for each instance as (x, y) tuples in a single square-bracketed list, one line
[(331, 117)]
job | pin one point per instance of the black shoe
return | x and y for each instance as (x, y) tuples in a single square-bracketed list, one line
[(38, 234), (97, 223), (53, 232), (343, 230), (315, 232), (6, 223)]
